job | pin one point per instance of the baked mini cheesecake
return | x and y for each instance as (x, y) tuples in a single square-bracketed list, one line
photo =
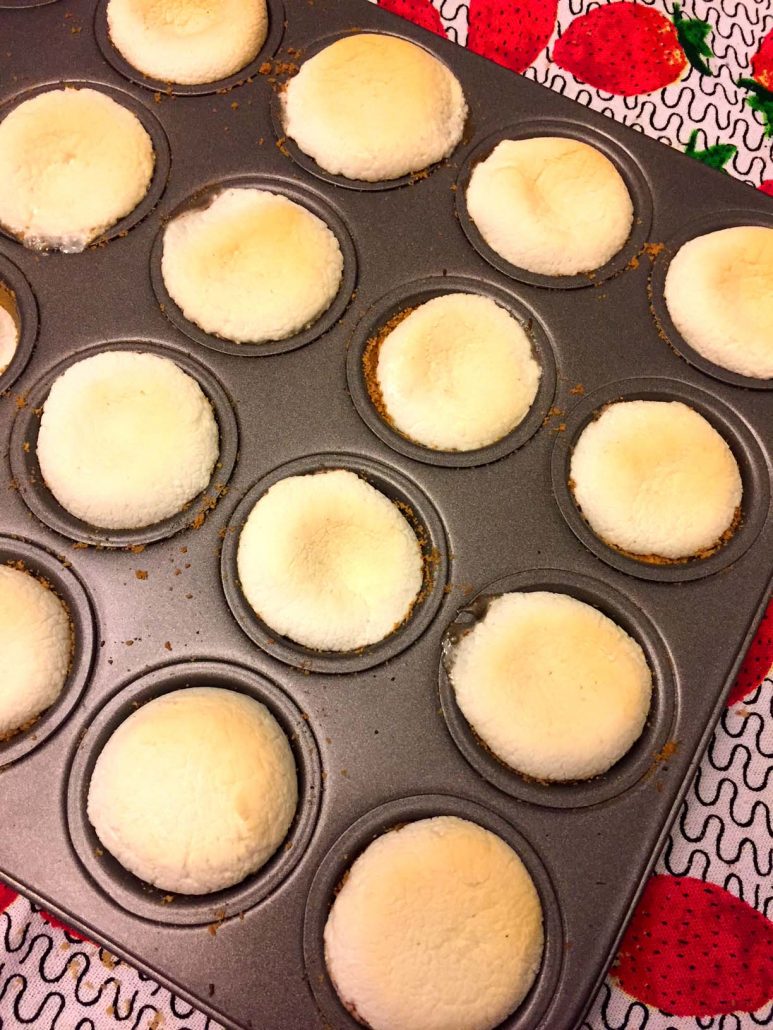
[(126, 439), (36, 645), (656, 480), (436, 926), (73, 162), (719, 294), (252, 266), (456, 374), (552, 686), (374, 107), (188, 41), (330, 562), (195, 790), (9, 328), (550, 205)]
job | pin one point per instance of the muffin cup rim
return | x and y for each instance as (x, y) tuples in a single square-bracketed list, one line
[(152, 126), (633, 768), (308, 164), (21, 5), (70, 588), (16, 282), (119, 64), (312, 201), (696, 227)]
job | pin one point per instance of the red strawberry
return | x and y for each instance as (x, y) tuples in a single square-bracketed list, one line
[(766, 186), (59, 925), (693, 949), (758, 660), (420, 12), (627, 48), (760, 84), (7, 896), (511, 32)]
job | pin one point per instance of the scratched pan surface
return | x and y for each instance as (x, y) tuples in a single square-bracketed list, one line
[(381, 730)]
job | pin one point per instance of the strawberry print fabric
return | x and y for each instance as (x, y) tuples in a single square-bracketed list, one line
[(698, 952), (697, 75)]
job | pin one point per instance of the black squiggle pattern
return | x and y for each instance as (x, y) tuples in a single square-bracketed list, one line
[(715, 104), (50, 981)]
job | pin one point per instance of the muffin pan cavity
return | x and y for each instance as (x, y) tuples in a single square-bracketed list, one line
[(307, 163), (128, 890), (151, 125), (411, 296), (17, 298), (308, 198), (737, 434), (668, 331), (637, 763), (364, 831), (29, 478), (629, 168), (60, 577), (276, 22), (423, 519)]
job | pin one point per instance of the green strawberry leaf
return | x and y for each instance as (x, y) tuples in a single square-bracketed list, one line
[(715, 156), (761, 100), (693, 35)]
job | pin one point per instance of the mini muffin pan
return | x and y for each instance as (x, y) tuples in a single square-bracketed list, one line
[(377, 735)]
